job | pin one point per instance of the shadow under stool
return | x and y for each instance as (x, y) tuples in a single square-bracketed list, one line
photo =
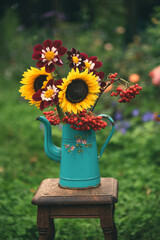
[(56, 202)]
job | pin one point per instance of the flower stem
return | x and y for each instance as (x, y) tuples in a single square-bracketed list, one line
[(100, 96), (57, 74), (60, 112), (126, 82), (116, 80)]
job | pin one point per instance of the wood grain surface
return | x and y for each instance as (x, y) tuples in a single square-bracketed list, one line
[(50, 193)]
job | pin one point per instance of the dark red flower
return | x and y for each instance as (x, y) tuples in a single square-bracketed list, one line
[(48, 95), (91, 63), (49, 54), (100, 76), (76, 60)]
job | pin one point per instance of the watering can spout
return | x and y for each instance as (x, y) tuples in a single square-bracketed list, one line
[(52, 151)]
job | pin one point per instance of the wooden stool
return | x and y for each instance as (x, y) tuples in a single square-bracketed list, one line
[(56, 202)]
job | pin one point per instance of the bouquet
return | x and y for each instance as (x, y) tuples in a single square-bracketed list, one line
[(71, 99)]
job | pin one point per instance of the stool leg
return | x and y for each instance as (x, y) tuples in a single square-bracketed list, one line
[(51, 232), (43, 222), (114, 225), (106, 220)]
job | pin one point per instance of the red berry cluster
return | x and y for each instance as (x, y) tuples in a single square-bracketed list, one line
[(84, 121), (128, 94), (52, 117), (112, 77)]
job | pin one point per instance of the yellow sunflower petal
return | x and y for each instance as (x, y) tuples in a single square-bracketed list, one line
[(93, 89), (28, 88)]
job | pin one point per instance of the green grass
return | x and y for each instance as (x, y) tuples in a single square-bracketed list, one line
[(133, 159)]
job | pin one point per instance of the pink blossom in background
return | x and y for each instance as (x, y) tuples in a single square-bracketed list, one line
[(155, 75)]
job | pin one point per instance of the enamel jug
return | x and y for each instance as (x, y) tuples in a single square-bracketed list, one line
[(78, 157)]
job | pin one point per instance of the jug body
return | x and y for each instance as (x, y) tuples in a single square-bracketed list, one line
[(79, 166), (79, 161)]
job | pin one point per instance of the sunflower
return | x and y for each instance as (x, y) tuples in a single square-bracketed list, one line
[(33, 80), (78, 91)]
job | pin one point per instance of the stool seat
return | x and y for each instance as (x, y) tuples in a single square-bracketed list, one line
[(50, 193), (54, 201)]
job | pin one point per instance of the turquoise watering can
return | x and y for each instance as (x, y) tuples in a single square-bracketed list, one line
[(79, 161)]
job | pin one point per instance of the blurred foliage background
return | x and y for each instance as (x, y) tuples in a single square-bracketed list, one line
[(125, 35)]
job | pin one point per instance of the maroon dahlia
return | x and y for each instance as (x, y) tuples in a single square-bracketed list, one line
[(91, 63), (100, 76), (76, 60), (48, 95), (49, 54)]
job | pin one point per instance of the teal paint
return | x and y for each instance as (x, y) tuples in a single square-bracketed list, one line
[(52, 151), (78, 157)]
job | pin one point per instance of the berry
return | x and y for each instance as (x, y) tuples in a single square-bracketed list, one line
[(84, 121), (128, 94), (112, 77), (52, 117)]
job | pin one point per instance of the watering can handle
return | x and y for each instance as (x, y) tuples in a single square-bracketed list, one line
[(110, 135)]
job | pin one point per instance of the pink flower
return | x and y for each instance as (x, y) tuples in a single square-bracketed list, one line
[(72, 148), (49, 54), (78, 140), (84, 141), (155, 75), (67, 146)]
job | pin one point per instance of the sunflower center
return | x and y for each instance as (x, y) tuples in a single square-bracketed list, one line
[(87, 65), (49, 93), (77, 91), (49, 55), (75, 59), (38, 83)]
